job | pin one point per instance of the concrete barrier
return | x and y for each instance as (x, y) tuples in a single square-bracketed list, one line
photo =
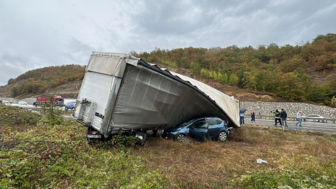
[(264, 108)]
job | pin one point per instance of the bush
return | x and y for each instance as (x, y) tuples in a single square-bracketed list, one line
[(59, 157), (13, 115), (51, 115)]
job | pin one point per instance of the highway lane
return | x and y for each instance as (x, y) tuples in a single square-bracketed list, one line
[(306, 126)]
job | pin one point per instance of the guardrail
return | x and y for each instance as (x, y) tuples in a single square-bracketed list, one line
[(304, 119), (307, 124)]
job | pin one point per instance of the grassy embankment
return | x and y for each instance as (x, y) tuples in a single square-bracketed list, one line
[(36, 155)]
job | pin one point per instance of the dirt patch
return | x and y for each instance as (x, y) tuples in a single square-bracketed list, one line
[(253, 97), (217, 162), (67, 90), (321, 77), (5, 91)]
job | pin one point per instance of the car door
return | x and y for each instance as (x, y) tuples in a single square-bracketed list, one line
[(199, 130), (310, 118), (214, 127)]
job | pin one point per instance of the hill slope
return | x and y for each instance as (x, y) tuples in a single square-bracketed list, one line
[(70, 89), (239, 93), (64, 80), (304, 73), (298, 73)]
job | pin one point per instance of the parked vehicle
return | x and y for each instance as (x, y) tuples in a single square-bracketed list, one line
[(120, 92), (70, 105), (5, 102), (313, 117), (57, 100), (22, 103), (200, 129)]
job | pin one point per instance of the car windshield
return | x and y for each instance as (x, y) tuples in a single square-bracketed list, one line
[(186, 123)]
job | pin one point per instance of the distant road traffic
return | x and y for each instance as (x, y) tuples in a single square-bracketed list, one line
[(306, 126)]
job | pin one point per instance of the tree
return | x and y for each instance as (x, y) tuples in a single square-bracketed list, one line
[(10, 81), (291, 64), (241, 83), (276, 69)]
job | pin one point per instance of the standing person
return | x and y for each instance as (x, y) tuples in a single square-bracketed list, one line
[(253, 118), (283, 116), (277, 117), (299, 118), (11, 101), (242, 118)]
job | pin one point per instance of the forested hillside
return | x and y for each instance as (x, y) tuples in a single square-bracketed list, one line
[(39, 80), (304, 72), (281, 70)]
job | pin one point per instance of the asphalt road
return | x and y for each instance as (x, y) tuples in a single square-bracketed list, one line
[(306, 126)]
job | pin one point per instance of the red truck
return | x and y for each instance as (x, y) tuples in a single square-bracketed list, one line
[(57, 100)]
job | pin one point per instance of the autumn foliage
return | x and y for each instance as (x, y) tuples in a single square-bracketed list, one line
[(281, 70), (39, 80)]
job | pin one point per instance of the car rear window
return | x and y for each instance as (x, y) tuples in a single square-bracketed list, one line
[(212, 121)]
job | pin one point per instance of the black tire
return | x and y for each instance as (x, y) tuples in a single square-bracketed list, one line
[(223, 136), (154, 133)]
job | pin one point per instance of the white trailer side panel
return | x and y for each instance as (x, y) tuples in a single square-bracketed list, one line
[(96, 87)]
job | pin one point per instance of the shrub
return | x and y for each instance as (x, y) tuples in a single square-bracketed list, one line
[(51, 115), (13, 115)]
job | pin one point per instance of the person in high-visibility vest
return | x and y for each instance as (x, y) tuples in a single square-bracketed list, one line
[(277, 118), (11, 101)]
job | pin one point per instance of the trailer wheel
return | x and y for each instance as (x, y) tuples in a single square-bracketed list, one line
[(154, 133)]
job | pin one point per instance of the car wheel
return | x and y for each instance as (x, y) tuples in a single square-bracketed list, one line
[(180, 137), (223, 136)]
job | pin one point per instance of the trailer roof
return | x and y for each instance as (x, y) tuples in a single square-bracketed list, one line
[(115, 64)]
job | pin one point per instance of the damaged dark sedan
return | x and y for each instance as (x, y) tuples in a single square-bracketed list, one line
[(201, 129)]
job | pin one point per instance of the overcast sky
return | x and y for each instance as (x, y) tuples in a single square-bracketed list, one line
[(40, 33)]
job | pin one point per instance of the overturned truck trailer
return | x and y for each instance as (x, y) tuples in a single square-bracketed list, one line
[(123, 93)]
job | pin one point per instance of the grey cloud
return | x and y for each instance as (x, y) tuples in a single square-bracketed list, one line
[(11, 67), (44, 33), (78, 51), (173, 18)]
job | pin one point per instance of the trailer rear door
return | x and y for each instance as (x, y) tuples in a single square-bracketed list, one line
[(96, 88)]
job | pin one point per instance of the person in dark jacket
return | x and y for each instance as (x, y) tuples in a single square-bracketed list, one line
[(277, 117), (283, 116)]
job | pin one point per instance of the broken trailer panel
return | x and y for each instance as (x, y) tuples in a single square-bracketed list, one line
[(120, 92)]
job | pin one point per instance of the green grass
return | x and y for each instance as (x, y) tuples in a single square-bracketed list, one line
[(44, 156)]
